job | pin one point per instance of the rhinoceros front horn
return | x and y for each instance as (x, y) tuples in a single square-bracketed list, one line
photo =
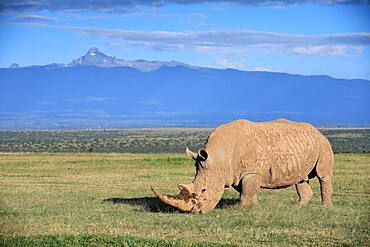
[(191, 154), (185, 201)]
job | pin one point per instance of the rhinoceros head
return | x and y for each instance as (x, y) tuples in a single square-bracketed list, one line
[(204, 192)]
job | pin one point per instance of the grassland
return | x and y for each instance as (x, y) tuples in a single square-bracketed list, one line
[(147, 140), (93, 199)]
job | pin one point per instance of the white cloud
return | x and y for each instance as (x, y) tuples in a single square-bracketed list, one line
[(358, 49), (237, 42), (34, 19), (261, 68), (99, 98), (127, 5), (150, 102), (225, 63), (331, 50), (265, 69)]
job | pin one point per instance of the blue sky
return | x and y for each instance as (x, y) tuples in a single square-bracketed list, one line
[(301, 37)]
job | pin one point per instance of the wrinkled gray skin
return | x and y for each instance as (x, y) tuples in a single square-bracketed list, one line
[(248, 156)]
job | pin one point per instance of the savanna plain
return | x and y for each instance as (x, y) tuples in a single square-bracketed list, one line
[(92, 188)]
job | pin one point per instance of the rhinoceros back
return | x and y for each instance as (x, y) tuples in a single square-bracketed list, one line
[(283, 152)]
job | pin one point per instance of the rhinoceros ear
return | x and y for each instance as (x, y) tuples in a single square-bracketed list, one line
[(202, 154), (191, 154)]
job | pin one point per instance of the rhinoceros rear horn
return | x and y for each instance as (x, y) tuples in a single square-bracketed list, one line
[(191, 154), (183, 201)]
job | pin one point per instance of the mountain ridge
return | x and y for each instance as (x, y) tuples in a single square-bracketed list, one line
[(94, 57), (139, 64), (86, 96)]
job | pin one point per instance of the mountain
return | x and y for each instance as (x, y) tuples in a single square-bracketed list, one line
[(89, 93), (94, 57), (14, 66)]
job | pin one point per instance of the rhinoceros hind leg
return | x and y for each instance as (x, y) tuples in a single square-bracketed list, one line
[(304, 192), (250, 185), (326, 191), (324, 171)]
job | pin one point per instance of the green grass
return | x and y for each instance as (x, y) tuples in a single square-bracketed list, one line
[(69, 199)]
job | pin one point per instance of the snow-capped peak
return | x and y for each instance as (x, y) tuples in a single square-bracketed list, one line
[(93, 51)]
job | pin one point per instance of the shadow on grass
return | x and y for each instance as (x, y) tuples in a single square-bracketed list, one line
[(154, 204)]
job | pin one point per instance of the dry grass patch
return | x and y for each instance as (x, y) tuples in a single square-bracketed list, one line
[(96, 199)]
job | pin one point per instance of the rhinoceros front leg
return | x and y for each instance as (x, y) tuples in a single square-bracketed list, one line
[(250, 184), (304, 191)]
